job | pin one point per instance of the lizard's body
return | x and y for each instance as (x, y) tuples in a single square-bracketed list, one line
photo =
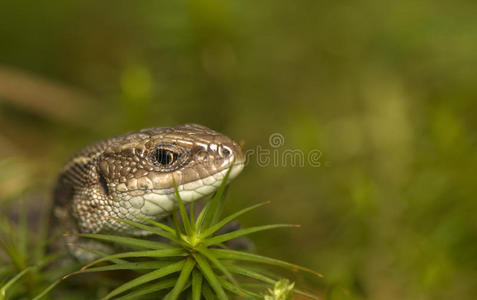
[(132, 177)]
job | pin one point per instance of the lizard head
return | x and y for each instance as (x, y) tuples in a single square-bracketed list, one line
[(134, 174)]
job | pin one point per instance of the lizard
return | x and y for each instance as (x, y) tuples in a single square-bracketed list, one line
[(132, 177)]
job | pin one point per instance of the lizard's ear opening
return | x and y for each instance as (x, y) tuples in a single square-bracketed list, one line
[(103, 184)]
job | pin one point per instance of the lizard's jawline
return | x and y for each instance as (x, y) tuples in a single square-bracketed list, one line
[(160, 203)]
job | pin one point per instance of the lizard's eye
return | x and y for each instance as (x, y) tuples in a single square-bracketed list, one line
[(165, 157)]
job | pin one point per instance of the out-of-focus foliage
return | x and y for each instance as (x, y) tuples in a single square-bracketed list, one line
[(385, 90)]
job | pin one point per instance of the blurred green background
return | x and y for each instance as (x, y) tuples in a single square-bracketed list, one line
[(385, 90)]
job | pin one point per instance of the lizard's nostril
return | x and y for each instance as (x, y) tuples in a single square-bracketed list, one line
[(226, 151)]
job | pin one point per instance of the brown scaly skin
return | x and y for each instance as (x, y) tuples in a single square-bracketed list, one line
[(132, 176)]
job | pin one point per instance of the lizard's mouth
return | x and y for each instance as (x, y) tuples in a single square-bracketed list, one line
[(158, 203)]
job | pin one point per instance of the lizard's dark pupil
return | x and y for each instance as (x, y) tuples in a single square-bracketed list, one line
[(165, 157)]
